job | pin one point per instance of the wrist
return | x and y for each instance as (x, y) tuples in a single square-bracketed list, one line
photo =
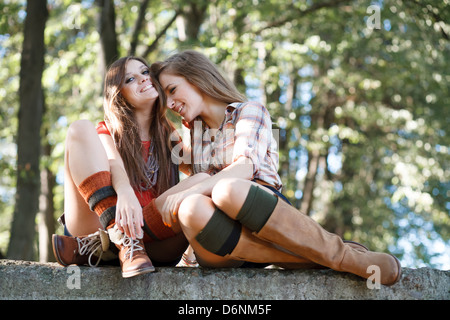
[(201, 188), (124, 189)]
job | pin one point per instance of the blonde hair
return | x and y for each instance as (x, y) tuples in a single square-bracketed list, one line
[(124, 129)]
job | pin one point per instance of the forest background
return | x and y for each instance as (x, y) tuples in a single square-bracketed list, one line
[(359, 91)]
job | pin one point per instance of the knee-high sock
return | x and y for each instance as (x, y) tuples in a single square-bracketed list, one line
[(101, 197), (154, 228)]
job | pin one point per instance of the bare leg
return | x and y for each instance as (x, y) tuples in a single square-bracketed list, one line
[(172, 248), (182, 185), (229, 195), (189, 257), (83, 157)]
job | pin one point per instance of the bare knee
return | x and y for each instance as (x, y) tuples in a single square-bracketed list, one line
[(81, 129), (195, 211), (226, 191)]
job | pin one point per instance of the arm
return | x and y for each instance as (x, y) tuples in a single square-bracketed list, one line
[(241, 168), (252, 134), (129, 216)]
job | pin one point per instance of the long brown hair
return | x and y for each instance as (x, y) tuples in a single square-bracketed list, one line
[(121, 122), (201, 72)]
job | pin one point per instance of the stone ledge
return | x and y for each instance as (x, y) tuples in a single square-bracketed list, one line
[(24, 280)]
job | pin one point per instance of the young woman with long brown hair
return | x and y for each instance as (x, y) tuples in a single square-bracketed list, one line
[(238, 213), (121, 170)]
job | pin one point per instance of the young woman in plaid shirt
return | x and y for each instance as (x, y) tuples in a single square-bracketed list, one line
[(238, 213)]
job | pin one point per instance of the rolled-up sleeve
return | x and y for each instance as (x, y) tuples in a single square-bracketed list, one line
[(253, 134)]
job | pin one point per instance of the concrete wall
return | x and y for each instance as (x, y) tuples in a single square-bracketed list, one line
[(32, 280)]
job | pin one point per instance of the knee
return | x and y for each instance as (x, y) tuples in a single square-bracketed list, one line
[(195, 211), (80, 129), (225, 191)]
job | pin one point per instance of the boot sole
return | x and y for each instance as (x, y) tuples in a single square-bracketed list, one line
[(130, 274)]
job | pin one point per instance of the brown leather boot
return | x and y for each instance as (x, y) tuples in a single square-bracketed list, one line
[(132, 255), (301, 235), (355, 245), (252, 249), (84, 250)]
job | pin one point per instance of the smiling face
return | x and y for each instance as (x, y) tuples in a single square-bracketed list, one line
[(182, 97), (137, 87)]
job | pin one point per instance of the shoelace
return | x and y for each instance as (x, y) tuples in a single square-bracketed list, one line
[(90, 245), (133, 245)]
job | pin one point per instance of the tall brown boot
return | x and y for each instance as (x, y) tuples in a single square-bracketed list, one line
[(301, 235), (228, 238), (252, 249)]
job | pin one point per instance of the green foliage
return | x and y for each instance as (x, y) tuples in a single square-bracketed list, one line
[(370, 105), (11, 37)]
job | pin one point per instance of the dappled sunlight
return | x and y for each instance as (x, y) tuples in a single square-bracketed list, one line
[(357, 92)]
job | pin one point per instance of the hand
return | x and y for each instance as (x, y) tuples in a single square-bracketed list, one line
[(129, 218), (171, 205)]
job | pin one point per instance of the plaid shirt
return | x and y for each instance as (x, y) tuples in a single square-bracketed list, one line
[(246, 131)]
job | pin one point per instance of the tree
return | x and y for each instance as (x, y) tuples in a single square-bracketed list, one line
[(107, 30), (29, 137)]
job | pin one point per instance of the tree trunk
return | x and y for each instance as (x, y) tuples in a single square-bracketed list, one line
[(29, 138), (46, 212), (137, 27), (107, 31), (310, 182), (194, 15), (160, 34)]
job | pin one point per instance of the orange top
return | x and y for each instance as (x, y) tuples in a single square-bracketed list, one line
[(144, 196)]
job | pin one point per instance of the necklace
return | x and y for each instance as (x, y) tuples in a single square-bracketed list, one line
[(151, 169)]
